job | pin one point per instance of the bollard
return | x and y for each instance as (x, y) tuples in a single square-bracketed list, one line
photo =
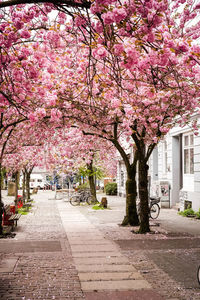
[(104, 202)]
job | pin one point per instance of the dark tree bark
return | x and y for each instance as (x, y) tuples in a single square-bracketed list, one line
[(28, 176), (92, 181), (16, 187), (144, 153), (62, 4), (131, 217), (24, 185), (144, 197)]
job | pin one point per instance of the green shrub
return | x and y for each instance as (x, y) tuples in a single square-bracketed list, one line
[(198, 214), (187, 212), (111, 188)]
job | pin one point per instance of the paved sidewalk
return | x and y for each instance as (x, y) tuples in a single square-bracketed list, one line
[(65, 252), (102, 269), (58, 253)]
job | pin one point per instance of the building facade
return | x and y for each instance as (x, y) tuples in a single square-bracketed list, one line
[(175, 169), (174, 173)]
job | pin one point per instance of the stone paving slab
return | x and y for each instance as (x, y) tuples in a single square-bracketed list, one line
[(105, 268), (93, 248), (81, 224), (78, 241), (159, 244), (8, 265), (84, 235), (14, 246), (117, 285), (97, 254), (109, 276), (80, 230), (101, 260), (124, 295)]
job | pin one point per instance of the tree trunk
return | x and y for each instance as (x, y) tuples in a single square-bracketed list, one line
[(1, 205), (92, 182), (92, 188), (24, 185), (131, 217), (144, 196), (28, 194), (16, 187)]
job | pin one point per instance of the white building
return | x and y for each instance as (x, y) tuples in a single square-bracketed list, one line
[(174, 172), (175, 169)]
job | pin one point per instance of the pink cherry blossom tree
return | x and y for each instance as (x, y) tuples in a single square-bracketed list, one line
[(135, 84), (71, 149), (130, 71)]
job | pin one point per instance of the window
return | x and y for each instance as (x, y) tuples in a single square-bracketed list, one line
[(188, 153), (165, 157), (165, 162)]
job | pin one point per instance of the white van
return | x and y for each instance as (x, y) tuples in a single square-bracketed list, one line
[(37, 181)]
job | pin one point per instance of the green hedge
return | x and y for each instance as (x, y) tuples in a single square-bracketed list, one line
[(187, 212), (111, 188), (190, 212)]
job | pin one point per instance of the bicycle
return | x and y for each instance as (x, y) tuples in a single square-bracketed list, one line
[(81, 197), (198, 275), (154, 208)]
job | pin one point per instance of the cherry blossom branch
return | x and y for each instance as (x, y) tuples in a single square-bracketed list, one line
[(62, 3)]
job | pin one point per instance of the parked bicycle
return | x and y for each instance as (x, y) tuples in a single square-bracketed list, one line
[(81, 197), (198, 275), (154, 208)]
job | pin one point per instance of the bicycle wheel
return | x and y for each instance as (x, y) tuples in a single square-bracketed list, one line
[(154, 211), (89, 200), (198, 274), (74, 200), (83, 201)]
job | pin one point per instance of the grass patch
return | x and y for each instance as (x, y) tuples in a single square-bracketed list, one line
[(22, 211), (97, 207)]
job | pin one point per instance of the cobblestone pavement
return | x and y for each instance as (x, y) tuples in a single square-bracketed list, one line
[(38, 263), (39, 257)]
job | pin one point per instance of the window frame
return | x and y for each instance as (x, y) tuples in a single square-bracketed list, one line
[(188, 165)]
